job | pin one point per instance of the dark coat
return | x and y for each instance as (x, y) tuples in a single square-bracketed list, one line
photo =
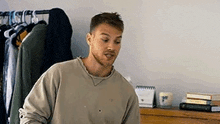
[(58, 39)]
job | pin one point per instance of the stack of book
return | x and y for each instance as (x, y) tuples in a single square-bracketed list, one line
[(201, 102)]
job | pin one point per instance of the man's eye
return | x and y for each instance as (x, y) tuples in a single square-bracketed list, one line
[(118, 41), (105, 40)]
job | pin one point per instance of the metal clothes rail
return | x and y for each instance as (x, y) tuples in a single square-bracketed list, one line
[(27, 12)]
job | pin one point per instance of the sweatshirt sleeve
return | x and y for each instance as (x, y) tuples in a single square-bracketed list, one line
[(132, 114), (38, 105)]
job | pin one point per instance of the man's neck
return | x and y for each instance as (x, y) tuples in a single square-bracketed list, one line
[(95, 68)]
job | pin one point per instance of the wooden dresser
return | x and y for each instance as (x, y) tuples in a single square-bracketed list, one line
[(176, 116)]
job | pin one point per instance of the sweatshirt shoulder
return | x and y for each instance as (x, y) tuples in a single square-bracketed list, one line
[(125, 85), (66, 64)]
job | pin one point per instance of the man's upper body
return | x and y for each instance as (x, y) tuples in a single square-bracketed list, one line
[(68, 94), (86, 90)]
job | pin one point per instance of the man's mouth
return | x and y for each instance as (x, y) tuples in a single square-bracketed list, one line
[(109, 55)]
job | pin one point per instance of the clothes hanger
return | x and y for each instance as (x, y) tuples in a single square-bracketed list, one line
[(14, 20), (23, 16), (31, 24), (4, 25), (1, 23), (22, 24), (34, 17), (1, 20), (18, 30), (34, 21), (15, 26), (7, 32)]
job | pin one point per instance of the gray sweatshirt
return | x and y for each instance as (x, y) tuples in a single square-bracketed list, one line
[(67, 94)]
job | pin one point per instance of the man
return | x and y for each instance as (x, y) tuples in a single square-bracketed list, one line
[(86, 90)]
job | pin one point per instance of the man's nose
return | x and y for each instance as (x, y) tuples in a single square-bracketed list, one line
[(111, 46)]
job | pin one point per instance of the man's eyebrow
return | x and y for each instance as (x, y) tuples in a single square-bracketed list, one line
[(109, 35), (119, 36), (105, 34)]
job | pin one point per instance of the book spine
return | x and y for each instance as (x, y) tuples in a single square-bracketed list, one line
[(215, 103), (198, 96), (216, 97), (196, 101), (195, 107)]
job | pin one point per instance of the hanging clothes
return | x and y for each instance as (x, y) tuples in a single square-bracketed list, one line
[(38, 48), (10, 66), (17, 41), (58, 39), (20, 38), (30, 58), (3, 28), (9, 71), (8, 60), (2, 112)]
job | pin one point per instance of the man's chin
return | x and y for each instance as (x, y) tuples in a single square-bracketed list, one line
[(108, 64)]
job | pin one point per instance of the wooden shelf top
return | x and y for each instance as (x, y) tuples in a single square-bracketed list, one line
[(175, 112)]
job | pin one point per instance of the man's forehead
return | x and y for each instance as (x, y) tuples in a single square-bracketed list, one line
[(108, 35), (107, 30)]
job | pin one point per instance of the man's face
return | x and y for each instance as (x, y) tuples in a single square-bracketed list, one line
[(105, 44)]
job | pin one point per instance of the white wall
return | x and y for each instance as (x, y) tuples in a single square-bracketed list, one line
[(173, 45)]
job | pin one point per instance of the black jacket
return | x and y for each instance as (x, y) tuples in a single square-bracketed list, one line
[(58, 39)]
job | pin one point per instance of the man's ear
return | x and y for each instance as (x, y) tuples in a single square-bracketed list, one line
[(89, 38)]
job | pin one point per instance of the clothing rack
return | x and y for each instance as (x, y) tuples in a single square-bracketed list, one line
[(27, 12)]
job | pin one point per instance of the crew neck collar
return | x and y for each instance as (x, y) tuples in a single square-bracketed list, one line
[(96, 79)]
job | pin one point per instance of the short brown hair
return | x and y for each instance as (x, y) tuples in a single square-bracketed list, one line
[(113, 19)]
